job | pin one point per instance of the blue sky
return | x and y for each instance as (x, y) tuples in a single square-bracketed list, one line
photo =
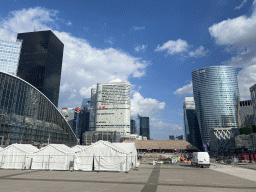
[(155, 45)]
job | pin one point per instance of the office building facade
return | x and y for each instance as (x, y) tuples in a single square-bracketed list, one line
[(113, 107), (92, 109), (144, 127), (245, 113), (27, 116), (9, 55), (190, 122), (133, 126), (86, 103), (41, 62), (253, 96), (216, 96)]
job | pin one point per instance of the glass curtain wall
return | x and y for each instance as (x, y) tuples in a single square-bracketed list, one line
[(27, 116), (216, 98)]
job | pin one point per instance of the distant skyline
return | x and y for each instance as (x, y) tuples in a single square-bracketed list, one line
[(155, 45)]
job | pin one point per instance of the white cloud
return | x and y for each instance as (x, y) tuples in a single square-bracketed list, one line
[(200, 52), (173, 47), (69, 23), (136, 28), (241, 5), (25, 20), (140, 48), (238, 34), (152, 108), (86, 91), (145, 106), (246, 78), (187, 89), (182, 47), (110, 41), (239, 30), (116, 80), (83, 65)]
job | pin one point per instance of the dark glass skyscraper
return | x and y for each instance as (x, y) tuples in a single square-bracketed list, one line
[(144, 127), (216, 95), (190, 122), (41, 61), (132, 126)]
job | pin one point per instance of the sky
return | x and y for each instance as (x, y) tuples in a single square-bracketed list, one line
[(155, 45)]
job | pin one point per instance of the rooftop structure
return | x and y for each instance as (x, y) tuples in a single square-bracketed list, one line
[(163, 145)]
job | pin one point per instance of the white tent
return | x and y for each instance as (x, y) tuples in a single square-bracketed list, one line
[(130, 149), (84, 159), (79, 147), (53, 157), (102, 156), (1, 148), (17, 156)]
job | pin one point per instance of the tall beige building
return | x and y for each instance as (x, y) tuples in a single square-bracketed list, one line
[(113, 107)]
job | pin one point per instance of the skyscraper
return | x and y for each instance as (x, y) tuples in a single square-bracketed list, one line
[(253, 96), (216, 97), (133, 126), (190, 122), (92, 109), (245, 113), (113, 107), (41, 61), (144, 127), (9, 55)]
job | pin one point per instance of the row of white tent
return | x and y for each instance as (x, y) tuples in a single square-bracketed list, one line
[(100, 156)]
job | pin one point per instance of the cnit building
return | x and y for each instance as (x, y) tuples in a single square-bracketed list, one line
[(28, 112)]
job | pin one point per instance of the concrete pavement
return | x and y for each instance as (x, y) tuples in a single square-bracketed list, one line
[(161, 178)]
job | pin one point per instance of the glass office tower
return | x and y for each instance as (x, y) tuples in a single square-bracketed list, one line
[(190, 122), (144, 127), (41, 61), (9, 55), (27, 116), (216, 98)]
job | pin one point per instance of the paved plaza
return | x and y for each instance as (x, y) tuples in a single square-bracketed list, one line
[(147, 178)]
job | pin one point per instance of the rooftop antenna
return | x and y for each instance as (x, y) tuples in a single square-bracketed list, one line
[(34, 29)]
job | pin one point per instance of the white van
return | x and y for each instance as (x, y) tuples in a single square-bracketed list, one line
[(201, 159)]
